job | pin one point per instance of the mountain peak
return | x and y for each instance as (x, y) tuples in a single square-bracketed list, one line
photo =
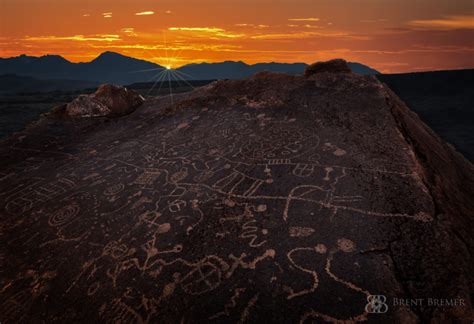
[(54, 58), (109, 55)]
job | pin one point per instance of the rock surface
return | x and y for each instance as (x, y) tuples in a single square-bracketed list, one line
[(332, 66), (108, 100), (272, 199)]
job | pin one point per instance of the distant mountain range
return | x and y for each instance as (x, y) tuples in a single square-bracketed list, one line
[(11, 83), (110, 67)]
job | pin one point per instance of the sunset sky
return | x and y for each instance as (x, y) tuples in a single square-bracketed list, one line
[(389, 35)]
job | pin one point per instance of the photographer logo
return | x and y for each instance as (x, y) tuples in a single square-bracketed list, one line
[(376, 304)]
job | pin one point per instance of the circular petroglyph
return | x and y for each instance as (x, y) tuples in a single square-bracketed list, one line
[(113, 190), (64, 215), (115, 250), (204, 277), (345, 245)]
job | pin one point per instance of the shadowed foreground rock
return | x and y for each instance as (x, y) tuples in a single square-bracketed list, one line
[(108, 100), (273, 199)]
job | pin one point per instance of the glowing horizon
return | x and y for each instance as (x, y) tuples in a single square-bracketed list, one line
[(390, 37)]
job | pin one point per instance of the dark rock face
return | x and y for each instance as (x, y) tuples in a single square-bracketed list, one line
[(108, 100), (332, 66), (272, 199)]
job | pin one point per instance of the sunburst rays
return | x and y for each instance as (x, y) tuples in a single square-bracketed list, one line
[(166, 75)]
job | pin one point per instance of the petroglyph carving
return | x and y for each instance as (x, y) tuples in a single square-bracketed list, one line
[(234, 207), (29, 197), (300, 231), (114, 189), (64, 215)]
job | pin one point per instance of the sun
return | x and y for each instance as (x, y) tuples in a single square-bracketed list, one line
[(168, 67)]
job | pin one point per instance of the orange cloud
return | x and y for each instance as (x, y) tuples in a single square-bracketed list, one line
[(450, 22), (79, 38), (207, 30), (299, 35), (252, 25), (129, 31), (303, 19), (145, 13), (311, 26), (418, 35)]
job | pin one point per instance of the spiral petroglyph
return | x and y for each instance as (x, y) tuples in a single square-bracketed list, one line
[(64, 215)]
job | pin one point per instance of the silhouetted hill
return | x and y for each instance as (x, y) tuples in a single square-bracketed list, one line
[(240, 70), (48, 66), (110, 67), (362, 69), (11, 84), (209, 71), (443, 99)]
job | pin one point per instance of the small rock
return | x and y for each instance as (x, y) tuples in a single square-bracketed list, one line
[(86, 106), (332, 66), (108, 100)]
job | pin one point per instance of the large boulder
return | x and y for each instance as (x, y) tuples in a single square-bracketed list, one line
[(332, 66), (108, 100), (291, 199)]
